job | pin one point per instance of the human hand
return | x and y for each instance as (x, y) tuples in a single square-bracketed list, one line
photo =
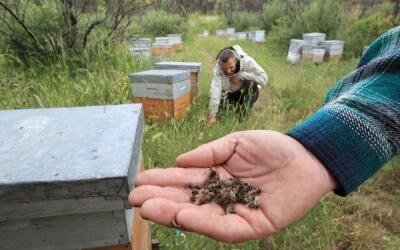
[(235, 79), (291, 180), (211, 121)]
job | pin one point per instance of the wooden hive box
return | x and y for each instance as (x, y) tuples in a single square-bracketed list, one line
[(334, 49), (313, 38), (176, 40), (294, 54), (162, 50), (193, 67), (258, 36), (164, 93), (65, 176)]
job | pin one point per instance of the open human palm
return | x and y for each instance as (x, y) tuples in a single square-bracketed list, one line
[(291, 180)]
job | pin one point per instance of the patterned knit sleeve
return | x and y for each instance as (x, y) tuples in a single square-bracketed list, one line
[(357, 130)]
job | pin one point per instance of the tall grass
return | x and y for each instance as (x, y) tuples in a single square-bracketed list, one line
[(367, 219)]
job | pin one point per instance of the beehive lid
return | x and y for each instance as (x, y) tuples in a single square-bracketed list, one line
[(296, 41), (69, 153), (192, 66), (162, 45), (161, 40), (334, 41), (314, 34), (159, 76), (174, 35)]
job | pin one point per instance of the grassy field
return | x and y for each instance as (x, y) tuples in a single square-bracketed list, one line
[(367, 219)]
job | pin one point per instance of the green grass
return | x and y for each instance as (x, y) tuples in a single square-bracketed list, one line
[(367, 219)]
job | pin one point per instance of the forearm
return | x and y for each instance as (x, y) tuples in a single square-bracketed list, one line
[(260, 78)]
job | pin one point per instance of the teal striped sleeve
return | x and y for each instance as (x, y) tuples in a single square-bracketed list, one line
[(357, 130)]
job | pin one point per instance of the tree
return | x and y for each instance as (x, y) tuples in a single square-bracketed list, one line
[(25, 24)]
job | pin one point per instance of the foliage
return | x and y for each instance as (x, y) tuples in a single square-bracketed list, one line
[(271, 12), (243, 21), (366, 30), (28, 33), (326, 16), (159, 23)]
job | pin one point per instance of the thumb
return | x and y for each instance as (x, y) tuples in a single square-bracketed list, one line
[(210, 154)]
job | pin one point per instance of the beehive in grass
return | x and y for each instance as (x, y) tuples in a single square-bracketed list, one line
[(257, 36), (192, 67), (334, 49), (162, 47), (318, 54), (220, 33), (230, 32), (294, 54), (140, 47), (163, 93), (313, 54), (65, 176), (314, 38), (241, 35), (176, 41)]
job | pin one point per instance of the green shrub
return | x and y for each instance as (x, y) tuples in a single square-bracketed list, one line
[(161, 23), (198, 23), (243, 20), (364, 31), (271, 12), (326, 16)]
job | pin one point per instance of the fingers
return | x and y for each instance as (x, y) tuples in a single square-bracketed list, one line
[(163, 211), (178, 177), (142, 193), (210, 154), (228, 228)]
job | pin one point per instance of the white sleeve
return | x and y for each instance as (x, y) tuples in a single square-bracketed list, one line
[(253, 71), (215, 92)]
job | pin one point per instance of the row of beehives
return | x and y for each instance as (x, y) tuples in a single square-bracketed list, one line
[(162, 46), (65, 177), (168, 90), (255, 36), (314, 48)]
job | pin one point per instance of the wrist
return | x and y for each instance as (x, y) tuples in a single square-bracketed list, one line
[(322, 177)]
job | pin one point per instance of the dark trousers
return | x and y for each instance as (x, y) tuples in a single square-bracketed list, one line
[(241, 101)]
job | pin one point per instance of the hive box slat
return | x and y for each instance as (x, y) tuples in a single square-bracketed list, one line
[(66, 232), (159, 109), (193, 67)]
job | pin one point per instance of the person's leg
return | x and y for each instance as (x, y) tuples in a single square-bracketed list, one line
[(233, 100), (249, 95)]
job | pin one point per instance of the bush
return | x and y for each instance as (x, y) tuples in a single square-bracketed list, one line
[(198, 23), (161, 23), (27, 33), (326, 16), (243, 20), (271, 12), (364, 31)]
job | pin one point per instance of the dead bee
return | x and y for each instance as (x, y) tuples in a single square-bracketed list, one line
[(225, 192)]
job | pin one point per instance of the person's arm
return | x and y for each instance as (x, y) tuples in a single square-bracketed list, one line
[(254, 72), (358, 129), (215, 96)]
